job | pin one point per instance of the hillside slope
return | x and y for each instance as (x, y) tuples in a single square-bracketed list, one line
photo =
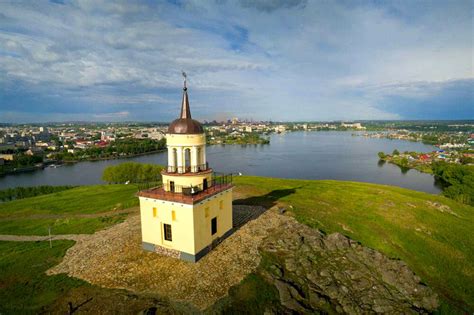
[(430, 233), (83, 209)]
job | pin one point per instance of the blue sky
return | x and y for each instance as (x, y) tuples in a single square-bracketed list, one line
[(265, 59)]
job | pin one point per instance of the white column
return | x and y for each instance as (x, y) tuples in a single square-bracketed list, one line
[(179, 154), (194, 159), (203, 154), (171, 159)]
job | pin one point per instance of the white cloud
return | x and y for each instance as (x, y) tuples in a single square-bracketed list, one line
[(241, 58)]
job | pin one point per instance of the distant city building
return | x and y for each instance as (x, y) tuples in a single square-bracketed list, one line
[(107, 136), (82, 144), (352, 125), (7, 157), (34, 151), (41, 144), (280, 128), (155, 135)]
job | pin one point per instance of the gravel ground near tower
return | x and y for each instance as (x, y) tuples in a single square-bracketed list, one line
[(114, 258)]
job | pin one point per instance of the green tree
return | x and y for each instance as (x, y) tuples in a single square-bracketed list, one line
[(395, 152), (132, 172), (404, 162), (458, 181), (466, 160), (382, 155)]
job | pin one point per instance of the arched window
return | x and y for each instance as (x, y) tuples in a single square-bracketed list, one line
[(187, 160), (198, 159)]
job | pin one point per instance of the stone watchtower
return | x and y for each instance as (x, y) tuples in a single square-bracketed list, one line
[(192, 210)]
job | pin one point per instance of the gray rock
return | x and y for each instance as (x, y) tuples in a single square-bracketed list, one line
[(320, 273)]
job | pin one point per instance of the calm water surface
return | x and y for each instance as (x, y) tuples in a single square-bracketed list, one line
[(305, 155)]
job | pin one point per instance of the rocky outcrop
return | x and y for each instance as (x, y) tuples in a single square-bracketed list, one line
[(334, 274)]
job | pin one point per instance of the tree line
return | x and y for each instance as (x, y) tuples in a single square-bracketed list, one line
[(121, 147), (20, 161), (26, 192)]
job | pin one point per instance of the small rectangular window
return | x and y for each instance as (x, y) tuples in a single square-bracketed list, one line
[(221, 204), (206, 212), (214, 226), (167, 231), (173, 215), (154, 212)]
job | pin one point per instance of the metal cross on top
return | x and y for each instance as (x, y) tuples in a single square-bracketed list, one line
[(184, 76)]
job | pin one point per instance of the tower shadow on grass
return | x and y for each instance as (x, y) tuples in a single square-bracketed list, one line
[(247, 209), (268, 200)]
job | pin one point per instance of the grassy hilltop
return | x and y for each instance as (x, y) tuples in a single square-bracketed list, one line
[(73, 211), (430, 233)]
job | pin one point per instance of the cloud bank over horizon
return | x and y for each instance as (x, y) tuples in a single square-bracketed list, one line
[(263, 60)]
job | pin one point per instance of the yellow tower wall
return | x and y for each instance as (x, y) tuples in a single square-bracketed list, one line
[(182, 226), (191, 225), (177, 140), (203, 214)]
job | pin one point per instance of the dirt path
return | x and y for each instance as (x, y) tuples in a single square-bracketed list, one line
[(35, 238), (72, 216)]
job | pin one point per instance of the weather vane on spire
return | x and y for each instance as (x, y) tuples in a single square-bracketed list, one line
[(184, 76)]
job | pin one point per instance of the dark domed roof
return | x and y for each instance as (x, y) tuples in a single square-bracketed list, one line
[(185, 124)]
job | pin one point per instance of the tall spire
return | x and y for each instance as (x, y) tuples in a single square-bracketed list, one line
[(185, 110)]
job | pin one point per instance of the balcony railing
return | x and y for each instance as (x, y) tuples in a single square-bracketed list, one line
[(188, 169), (188, 194), (217, 181)]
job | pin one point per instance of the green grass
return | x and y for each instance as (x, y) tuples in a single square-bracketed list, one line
[(80, 200), (24, 287), (58, 226), (437, 245), (33, 216)]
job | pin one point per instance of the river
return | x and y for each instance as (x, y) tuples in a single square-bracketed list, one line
[(305, 155)]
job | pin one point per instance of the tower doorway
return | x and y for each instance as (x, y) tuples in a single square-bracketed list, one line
[(204, 184), (172, 186)]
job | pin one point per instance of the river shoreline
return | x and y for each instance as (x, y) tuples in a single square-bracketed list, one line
[(302, 155), (70, 162)]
